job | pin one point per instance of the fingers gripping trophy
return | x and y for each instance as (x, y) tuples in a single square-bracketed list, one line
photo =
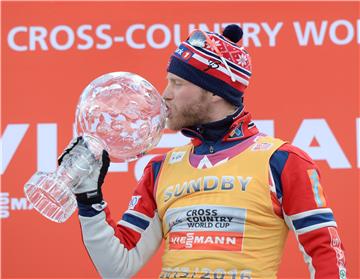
[(119, 116)]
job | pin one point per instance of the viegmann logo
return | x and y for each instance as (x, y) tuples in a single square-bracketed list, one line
[(207, 240)]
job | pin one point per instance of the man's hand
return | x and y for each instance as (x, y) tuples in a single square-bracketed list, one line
[(89, 190)]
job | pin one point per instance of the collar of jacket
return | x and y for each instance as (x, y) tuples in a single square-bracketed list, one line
[(237, 126)]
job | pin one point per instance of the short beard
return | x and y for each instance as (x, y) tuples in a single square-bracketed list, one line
[(191, 116)]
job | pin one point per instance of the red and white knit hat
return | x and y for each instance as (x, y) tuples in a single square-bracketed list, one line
[(214, 62)]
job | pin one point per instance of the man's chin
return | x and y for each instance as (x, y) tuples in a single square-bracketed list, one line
[(172, 125)]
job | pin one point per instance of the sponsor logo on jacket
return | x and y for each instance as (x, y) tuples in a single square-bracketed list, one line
[(229, 241), (207, 183)]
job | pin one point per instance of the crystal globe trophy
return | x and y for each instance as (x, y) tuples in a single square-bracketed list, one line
[(119, 112)]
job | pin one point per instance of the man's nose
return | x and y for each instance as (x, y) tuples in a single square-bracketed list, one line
[(167, 94)]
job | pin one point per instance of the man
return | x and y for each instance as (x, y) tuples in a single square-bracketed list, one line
[(224, 203)]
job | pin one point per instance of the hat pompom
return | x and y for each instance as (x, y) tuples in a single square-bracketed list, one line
[(233, 32)]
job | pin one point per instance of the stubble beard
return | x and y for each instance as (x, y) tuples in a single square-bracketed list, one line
[(188, 116)]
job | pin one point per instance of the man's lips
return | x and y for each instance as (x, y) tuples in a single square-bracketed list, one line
[(168, 111)]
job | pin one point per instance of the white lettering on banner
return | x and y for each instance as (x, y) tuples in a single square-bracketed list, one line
[(7, 204), (47, 147), (252, 31), (318, 31), (42, 38), (20, 204), (272, 33), (11, 38), (150, 36), (177, 36), (328, 149), (118, 167), (69, 40), (129, 36), (89, 41), (10, 141), (105, 37), (349, 30), (37, 34), (172, 140), (38, 37), (266, 127), (4, 205), (310, 28)]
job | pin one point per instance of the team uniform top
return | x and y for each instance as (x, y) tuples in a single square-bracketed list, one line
[(223, 208)]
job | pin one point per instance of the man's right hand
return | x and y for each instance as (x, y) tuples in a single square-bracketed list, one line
[(89, 190)]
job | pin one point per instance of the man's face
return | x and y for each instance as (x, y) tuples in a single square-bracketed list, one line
[(187, 104)]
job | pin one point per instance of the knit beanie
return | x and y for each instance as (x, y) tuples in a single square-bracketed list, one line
[(219, 65)]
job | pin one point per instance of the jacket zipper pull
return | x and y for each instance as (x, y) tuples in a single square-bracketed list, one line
[(211, 149)]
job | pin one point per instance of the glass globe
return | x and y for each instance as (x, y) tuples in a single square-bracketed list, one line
[(123, 111)]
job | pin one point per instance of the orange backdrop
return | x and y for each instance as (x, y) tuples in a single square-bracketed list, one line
[(305, 89)]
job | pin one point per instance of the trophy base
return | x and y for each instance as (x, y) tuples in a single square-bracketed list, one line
[(50, 197)]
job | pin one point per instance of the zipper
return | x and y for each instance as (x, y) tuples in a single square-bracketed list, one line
[(211, 149)]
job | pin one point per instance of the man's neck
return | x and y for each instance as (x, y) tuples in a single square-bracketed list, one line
[(216, 130)]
